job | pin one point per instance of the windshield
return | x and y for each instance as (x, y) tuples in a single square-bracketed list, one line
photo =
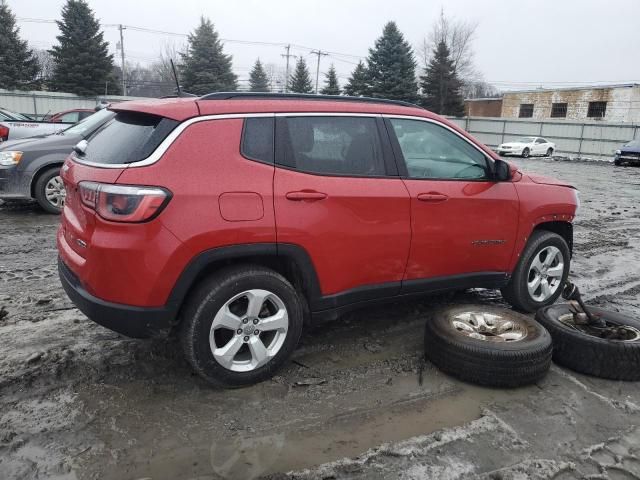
[(14, 115), (633, 144), (525, 140), (90, 123)]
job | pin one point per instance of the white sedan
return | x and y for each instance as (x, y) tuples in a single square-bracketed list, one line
[(527, 146)]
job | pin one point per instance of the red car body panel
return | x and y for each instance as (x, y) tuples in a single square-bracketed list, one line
[(361, 232)]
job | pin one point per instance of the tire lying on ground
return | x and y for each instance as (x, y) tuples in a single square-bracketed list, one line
[(589, 354), (487, 345)]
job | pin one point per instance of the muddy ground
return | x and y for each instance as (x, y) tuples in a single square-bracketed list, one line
[(80, 402)]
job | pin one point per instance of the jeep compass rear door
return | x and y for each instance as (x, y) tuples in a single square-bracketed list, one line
[(337, 196)]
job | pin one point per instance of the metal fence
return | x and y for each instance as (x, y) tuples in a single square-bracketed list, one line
[(37, 104), (573, 139)]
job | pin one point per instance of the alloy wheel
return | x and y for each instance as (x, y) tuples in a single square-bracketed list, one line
[(488, 327), (545, 273), (249, 330)]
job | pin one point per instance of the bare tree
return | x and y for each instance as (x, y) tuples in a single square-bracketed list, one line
[(162, 67), (45, 64), (275, 74)]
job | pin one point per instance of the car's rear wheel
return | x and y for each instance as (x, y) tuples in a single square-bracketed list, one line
[(549, 152), (240, 325), (541, 272), (49, 191), (526, 152)]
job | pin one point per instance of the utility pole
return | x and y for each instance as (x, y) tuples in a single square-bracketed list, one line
[(320, 54), (286, 72), (124, 83)]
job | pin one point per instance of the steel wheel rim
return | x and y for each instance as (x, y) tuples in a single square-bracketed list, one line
[(249, 330), (545, 273), (55, 192), (489, 327), (567, 319)]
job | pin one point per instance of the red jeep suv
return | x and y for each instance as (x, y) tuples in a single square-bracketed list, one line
[(238, 217)]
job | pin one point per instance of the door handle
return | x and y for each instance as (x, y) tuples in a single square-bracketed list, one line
[(432, 197), (308, 195)]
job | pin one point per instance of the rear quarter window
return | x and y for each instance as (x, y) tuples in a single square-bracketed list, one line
[(257, 139), (128, 137)]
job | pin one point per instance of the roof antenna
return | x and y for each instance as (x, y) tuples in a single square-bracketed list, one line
[(175, 76)]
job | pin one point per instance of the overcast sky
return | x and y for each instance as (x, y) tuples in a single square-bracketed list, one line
[(519, 44)]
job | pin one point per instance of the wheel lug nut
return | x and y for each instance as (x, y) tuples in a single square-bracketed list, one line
[(246, 339), (239, 331), (255, 321), (257, 332), (245, 320)]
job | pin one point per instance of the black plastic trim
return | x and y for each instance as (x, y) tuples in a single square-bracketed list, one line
[(136, 322)]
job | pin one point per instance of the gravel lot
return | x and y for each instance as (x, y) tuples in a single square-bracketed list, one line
[(78, 401)]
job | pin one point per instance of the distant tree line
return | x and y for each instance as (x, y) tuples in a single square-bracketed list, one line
[(80, 63)]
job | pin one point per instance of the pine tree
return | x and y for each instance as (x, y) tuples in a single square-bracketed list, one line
[(206, 68), (82, 63), (358, 84), (391, 66), (18, 65), (258, 80), (440, 85), (300, 81), (331, 85)]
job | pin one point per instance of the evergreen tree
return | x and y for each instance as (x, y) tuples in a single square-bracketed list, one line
[(82, 63), (358, 84), (18, 65), (258, 80), (206, 68), (391, 66), (331, 85), (440, 85), (300, 81)]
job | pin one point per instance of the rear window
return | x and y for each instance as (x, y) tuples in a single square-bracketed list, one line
[(128, 137)]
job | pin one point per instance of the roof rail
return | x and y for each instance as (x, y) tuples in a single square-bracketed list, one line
[(300, 96)]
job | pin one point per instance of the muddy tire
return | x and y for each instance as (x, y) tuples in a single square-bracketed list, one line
[(520, 291), (240, 325), (487, 345), (526, 152), (584, 353), (49, 191)]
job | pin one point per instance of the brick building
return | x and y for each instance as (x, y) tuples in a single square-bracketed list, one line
[(611, 103), (483, 107)]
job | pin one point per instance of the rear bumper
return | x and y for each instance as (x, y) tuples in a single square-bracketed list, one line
[(136, 322)]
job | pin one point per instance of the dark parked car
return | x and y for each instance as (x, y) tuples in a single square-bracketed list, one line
[(30, 167), (629, 154)]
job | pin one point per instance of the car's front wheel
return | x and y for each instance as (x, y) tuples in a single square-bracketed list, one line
[(240, 325), (549, 152), (526, 152), (541, 272), (49, 191)]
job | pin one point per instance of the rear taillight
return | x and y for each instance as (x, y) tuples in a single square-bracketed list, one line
[(4, 133), (123, 203)]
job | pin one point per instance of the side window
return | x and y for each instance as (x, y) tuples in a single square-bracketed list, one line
[(84, 115), (332, 145), (71, 117), (257, 139), (541, 140), (432, 151)]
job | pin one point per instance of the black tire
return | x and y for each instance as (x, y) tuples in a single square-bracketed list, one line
[(612, 359), (550, 152), (39, 190), (497, 364), (617, 163), (516, 291), (526, 152), (210, 295)]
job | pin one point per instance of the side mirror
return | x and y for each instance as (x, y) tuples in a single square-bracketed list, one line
[(502, 170)]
